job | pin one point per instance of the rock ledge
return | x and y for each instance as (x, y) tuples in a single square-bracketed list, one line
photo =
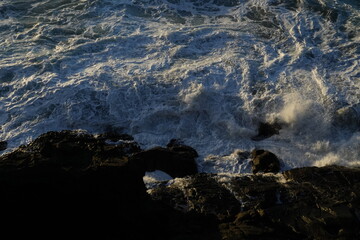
[(74, 185)]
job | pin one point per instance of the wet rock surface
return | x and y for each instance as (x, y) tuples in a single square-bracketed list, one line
[(266, 130), (264, 161), (301, 204), (347, 117), (304, 203), (67, 185), (199, 193)]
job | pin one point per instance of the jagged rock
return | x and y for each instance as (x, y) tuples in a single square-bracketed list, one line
[(304, 203), (81, 186), (3, 145), (309, 203), (177, 160), (266, 130), (69, 182), (74, 185), (200, 193), (264, 161), (177, 145)]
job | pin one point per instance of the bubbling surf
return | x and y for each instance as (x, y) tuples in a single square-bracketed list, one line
[(204, 71)]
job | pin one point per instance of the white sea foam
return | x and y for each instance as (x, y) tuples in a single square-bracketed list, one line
[(151, 179), (205, 71)]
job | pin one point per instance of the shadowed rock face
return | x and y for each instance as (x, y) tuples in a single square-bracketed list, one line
[(304, 203), (176, 161), (200, 193), (71, 185), (301, 206), (267, 130), (68, 182), (264, 161), (78, 185)]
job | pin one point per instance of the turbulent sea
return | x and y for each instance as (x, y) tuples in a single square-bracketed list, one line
[(207, 72)]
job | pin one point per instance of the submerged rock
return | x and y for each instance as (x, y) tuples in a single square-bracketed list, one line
[(348, 118), (266, 130), (264, 161)]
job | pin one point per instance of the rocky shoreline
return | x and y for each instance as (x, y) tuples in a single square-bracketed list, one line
[(73, 185)]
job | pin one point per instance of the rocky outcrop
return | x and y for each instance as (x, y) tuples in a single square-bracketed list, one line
[(77, 185), (177, 160), (67, 182), (72, 185), (348, 118), (305, 203), (200, 193), (266, 130), (264, 161)]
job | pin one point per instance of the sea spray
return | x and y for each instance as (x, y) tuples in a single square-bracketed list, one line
[(207, 72)]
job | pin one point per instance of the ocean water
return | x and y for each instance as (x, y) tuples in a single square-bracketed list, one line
[(203, 71)]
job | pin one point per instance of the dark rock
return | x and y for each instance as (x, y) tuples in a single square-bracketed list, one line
[(266, 130), (66, 182), (264, 161), (200, 193), (78, 150), (177, 160), (177, 145), (74, 185), (304, 203), (310, 203), (67, 185), (3, 145), (115, 137), (175, 142), (348, 118)]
